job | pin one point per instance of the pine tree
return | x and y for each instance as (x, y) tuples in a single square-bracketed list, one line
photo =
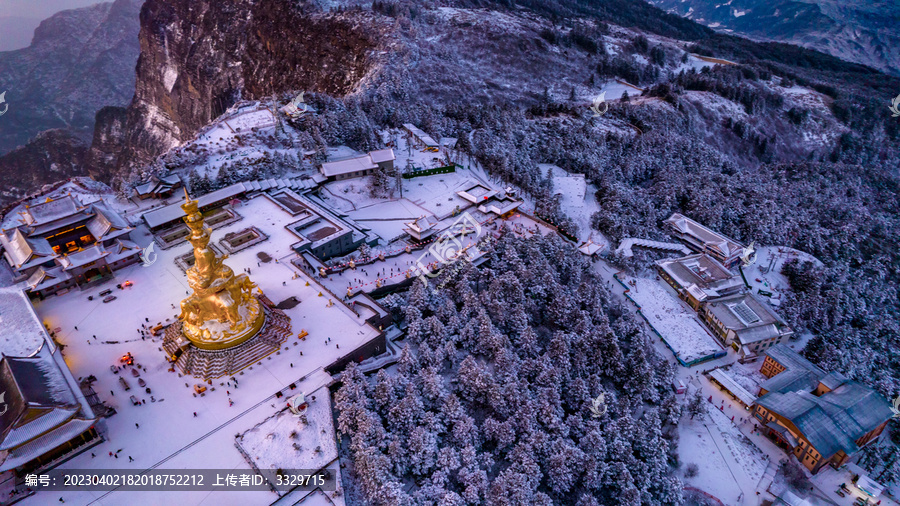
[(697, 405)]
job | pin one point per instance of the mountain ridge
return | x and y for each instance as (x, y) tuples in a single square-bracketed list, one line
[(866, 34)]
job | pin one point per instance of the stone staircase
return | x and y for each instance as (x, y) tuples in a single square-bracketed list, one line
[(211, 364), (768, 476)]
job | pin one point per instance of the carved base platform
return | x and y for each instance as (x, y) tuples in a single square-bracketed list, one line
[(211, 364)]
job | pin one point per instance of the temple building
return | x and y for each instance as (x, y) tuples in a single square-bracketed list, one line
[(45, 416), (223, 326), (820, 417), (698, 278), (62, 243), (423, 228), (703, 240), (158, 187)]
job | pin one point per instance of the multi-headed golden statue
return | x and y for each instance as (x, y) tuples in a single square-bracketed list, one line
[(222, 312)]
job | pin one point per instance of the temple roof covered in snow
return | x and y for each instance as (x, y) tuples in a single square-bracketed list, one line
[(25, 252), (702, 271), (52, 210), (21, 332), (704, 239), (750, 318), (106, 225), (37, 396), (82, 257)]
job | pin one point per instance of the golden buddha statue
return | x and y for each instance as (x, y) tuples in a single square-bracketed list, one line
[(222, 312)]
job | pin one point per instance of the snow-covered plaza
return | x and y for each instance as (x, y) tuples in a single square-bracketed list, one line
[(677, 324), (157, 432)]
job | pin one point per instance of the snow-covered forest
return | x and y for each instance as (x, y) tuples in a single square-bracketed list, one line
[(786, 148), (492, 397)]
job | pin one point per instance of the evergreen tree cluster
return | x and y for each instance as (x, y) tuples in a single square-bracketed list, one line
[(491, 402)]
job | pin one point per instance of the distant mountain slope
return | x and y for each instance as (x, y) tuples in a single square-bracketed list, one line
[(53, 155), (79, 61), (861, 32)]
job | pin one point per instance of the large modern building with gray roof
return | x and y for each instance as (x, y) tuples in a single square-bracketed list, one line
[(745, 322), (698, 278), (820, 417)]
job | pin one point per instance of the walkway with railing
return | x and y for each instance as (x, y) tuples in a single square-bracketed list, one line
[(625, 246)]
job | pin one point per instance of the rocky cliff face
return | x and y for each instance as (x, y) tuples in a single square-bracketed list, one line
[(79, 61), (109, 137), (198, 57), (51, 156)]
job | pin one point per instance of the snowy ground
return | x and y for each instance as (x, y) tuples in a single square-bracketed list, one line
[(271, 444), (697, 446), (388, 219), (167, 426), (693, 63), (579, 201), (732, 460), (828, 480), (340, 152), (396, 269), (676, 322), (615, 89), (765, 273)]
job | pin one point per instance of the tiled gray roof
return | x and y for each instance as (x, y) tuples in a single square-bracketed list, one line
[(826, 436), (107, 224), (791, 360), (791, 380), (832, 421)]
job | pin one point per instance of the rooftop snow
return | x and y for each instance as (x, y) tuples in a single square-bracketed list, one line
[(83, 257), (706, 236), (422, 136), (174, 211), (348, 165), (733, 386), (52, 210), (382, 155), (743, 311), (21, 332), (106, 224), (701, 270), (22, 249)]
